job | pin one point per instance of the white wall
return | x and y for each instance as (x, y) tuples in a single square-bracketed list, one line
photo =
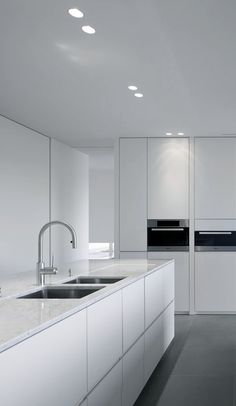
[(69, 201), (101, 194), (24, 202), (25, 191)]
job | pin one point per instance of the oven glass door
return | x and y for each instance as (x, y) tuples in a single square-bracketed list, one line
[(161, 238)]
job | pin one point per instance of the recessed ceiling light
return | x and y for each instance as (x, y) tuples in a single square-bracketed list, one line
[(132, 87), (88, 29), (138, 94), (75, 12), (168, 133), (180, 133)]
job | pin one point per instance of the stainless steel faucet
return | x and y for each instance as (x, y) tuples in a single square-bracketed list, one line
[(42, 271)]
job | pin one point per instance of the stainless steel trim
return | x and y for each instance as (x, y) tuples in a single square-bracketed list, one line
[(215, 232), (167, 229), (178, 248), (210, 248), (154, 222)]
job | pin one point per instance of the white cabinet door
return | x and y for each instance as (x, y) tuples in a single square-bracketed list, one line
[(133, 369), (181, 277), (69, 201), (109, 391), (133, 194), (159, 292), (104, 336), (215, 187), (215, 281), (157, 339), (133, 313), (168, 178), (57, 356), (24, 203)]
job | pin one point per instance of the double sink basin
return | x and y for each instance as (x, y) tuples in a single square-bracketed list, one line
[(73, 289)]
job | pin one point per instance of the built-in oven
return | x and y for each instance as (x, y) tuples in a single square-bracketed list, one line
[(167, 235), (215, 240)]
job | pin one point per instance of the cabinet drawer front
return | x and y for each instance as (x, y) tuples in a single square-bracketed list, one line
[(109, 391), (133, 373), (62, 348), (133, 313), (159, 292), (104, 336), (157, 339)]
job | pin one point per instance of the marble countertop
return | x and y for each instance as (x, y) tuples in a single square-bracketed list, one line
[(22, 318)]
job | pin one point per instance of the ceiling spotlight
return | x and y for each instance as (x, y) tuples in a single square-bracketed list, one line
[(138, 94), (132, 87), (75, 12), (88, 29), (168, 133), (180, 133)]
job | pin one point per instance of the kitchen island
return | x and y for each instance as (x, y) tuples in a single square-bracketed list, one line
[(98, 350)]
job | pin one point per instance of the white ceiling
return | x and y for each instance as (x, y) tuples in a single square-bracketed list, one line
[(73, 86)]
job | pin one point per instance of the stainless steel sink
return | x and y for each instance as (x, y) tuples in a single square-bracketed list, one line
[(94, 280), (62, 292)]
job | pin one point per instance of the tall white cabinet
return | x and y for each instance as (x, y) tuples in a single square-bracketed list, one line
[(133, 194), (215, 186), (24, 203), (69, 201), (168, 178)]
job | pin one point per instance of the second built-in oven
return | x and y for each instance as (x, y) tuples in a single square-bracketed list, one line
[(167, 235), (214, 240)]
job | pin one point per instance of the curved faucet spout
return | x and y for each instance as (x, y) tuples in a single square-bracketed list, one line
[(40, 264)]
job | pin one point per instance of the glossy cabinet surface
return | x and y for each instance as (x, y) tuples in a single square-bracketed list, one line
[(62, 348), (168, 178), (215, 281), (133, 373), (133, 194), (104, 336), (109, 391), (157, 339), (181, 277), (159, 292), (133, 313), (215, 168)]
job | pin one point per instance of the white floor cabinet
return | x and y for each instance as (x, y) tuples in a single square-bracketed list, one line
[(181, 277), (49, 368), (98, 356), (215, 281)]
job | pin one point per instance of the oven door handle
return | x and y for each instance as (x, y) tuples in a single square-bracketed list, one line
[(215, 232), (167, 229)]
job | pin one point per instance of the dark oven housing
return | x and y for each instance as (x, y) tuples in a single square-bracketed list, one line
[(168, 235)]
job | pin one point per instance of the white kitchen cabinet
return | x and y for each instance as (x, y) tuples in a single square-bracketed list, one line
[(159, 292), (181, 277), (215, 168), (133, 370), (168, 178), (104, 336), (133, 194), (69, 201), (24, 203), (133, 313), (109, 391), (215, 281), (157, 339), (57, 356)]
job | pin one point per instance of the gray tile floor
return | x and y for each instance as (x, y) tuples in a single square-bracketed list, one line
[(199, 369)]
